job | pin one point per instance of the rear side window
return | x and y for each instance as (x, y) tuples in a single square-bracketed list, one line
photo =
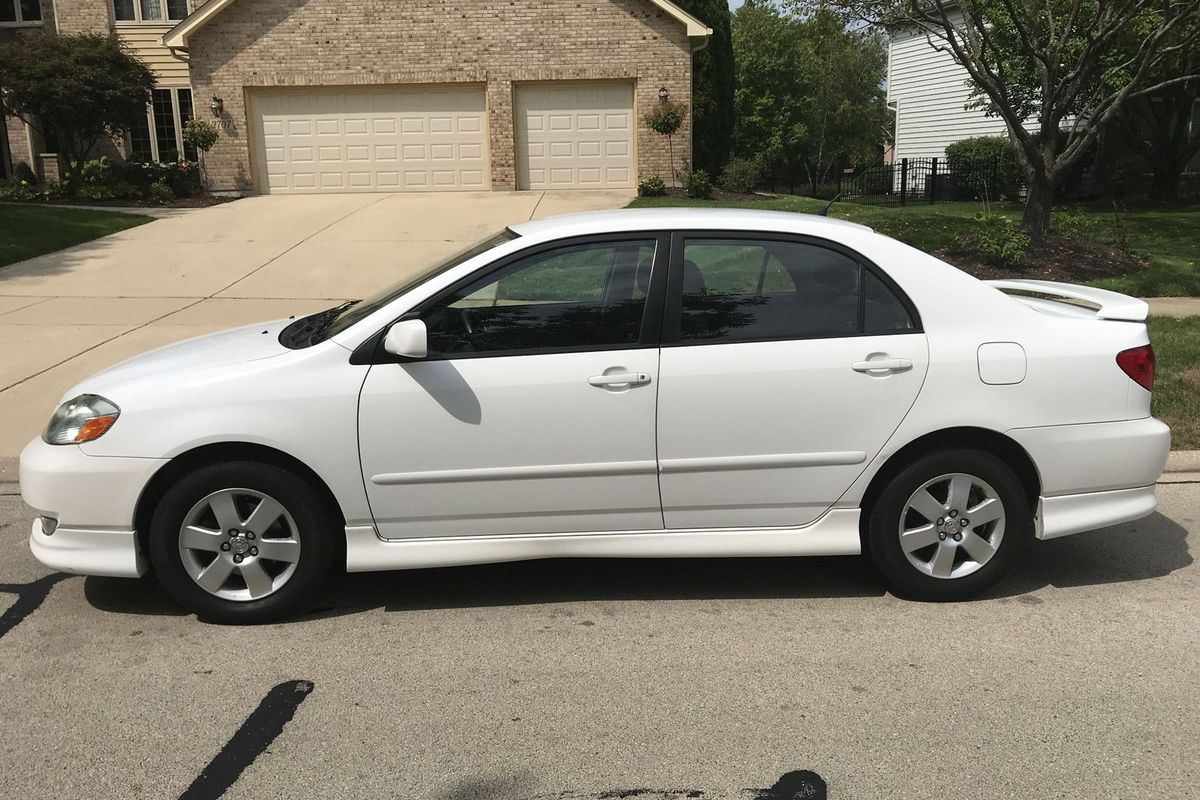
[(588, 296), (756, 290)]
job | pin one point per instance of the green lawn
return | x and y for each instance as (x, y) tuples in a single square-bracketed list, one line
[(28, 230), (1169, 239), (1177, 378)]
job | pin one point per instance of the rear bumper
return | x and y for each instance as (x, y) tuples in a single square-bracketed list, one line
[(1074, 513), (1098, 457), (88, 552)]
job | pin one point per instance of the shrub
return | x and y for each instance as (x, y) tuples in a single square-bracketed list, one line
[(160, 191), (1071, 221), (998, 239), (740, 175), (652, 187), (200, 134), (984, 167), (666, 118), (698, 185), (23, 172)]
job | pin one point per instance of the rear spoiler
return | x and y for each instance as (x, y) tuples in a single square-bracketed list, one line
[(1107, 305)]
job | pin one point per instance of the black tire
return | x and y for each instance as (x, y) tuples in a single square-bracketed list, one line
[(315, 530), (882, 537)]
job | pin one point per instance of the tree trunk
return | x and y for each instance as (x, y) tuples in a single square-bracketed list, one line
[(1164, 185), (1038, 202)]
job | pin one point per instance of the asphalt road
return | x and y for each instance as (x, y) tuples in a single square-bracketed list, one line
[(760, 679)]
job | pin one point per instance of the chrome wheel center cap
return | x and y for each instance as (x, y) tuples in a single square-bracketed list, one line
[(239, 545), (952, 526)]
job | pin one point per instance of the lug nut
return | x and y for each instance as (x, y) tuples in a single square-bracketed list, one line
[(253, 551), (249, 534), (237, 558), (941, 520), (958, 537), (964, 522), (954, 513), (942, 535), (224, 545), (232, 532)]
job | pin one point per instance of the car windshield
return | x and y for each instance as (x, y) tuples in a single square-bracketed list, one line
[(350, 314)]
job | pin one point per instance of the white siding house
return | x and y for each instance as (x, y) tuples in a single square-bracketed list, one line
[(928, 93)]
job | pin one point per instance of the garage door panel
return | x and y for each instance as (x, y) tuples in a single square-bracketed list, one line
[(575, 136), (385, 140)]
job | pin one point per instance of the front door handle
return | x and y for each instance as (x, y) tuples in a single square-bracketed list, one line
[(882, 365), (620, 379)]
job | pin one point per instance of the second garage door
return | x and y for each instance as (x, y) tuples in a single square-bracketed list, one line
[(371, 140), (575, 136)]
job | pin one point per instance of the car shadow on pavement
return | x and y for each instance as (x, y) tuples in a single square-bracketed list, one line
[(1143, 550)]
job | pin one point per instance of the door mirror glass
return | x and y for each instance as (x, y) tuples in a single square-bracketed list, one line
[(407, 338)]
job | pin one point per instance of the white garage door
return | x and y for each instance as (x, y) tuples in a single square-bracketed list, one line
[(371, 140), (575, 136)]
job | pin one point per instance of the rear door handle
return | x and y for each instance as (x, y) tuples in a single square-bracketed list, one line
[(882, 365), (620, 379)]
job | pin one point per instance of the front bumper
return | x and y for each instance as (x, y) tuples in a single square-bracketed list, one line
[(93, 499), (88, 552)]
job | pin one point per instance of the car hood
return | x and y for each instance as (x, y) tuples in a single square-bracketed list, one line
[(193, 356)]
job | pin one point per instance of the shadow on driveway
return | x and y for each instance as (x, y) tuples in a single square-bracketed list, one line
[(1144, 550)]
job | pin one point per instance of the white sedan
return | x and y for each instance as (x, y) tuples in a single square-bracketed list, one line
[(654, 383)]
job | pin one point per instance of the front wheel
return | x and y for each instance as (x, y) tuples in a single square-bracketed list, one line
[(242, 542), (949, 525)]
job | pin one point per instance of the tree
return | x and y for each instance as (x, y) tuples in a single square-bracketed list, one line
[(79, 89), (1159, 126), (809, 88), (666, 119), (712, 86), (1057, 72)]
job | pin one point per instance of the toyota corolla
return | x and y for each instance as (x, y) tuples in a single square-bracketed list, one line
[(657, 383)]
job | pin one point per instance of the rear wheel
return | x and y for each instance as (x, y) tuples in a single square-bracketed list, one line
[(949, 525), (241, 542)]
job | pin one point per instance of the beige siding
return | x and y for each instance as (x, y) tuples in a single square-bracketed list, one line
[(145, 42)]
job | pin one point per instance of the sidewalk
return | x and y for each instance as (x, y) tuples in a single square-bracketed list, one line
[(1174, 306)]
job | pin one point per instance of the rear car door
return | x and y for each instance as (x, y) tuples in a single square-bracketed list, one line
[(534, 410), (786, 364)]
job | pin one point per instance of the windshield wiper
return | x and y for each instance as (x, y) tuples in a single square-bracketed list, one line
[(306, 331)]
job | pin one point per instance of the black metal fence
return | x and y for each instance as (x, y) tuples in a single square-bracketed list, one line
[(929, 180)]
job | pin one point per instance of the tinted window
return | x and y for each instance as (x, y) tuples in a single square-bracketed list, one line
[(747, 290), (584, 296)]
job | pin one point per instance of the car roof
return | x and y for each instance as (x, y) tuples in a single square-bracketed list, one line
[(637, 219)]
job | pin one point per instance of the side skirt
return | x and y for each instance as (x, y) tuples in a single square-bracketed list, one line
[(834, 534)]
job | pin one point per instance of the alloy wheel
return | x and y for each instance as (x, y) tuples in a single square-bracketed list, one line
[(952, 525)]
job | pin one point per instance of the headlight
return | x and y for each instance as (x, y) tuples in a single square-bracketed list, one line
[(81, 419)]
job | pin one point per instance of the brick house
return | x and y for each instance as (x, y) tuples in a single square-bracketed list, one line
[(412, 95)]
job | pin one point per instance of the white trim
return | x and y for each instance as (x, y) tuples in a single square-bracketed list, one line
[(834, 534), (138, 20), (176, 116), (177, 37)]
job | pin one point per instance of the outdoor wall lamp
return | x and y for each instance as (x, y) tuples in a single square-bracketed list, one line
[(663, 95), (217, 105)]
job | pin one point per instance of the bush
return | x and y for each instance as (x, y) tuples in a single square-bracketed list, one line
[(200, 134), (1071, 221), (666, 118), (998, 239), (652, 187), (23, 172), (740, 175), (984, 167), (698, 185), (160, 192)]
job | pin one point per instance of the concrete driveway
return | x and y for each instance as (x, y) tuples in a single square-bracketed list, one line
[(68, 314)]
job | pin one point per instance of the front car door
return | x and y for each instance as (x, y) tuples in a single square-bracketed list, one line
[(534, 411), (786, 365)]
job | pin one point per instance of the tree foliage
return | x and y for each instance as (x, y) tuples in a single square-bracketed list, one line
[(809, 88), (712, 86), (77, 89), (1043, 66)]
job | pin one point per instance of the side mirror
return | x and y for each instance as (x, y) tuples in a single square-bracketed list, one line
[(407, 338)]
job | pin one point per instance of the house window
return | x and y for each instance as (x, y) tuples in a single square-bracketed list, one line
[(149, 10), (159, 135), (20, 12)]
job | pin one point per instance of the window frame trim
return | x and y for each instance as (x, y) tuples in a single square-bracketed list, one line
[(649, 336), (138, 20), (20, 21), (176, 114), (673, 300)]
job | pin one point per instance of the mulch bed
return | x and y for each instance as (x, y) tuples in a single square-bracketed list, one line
[(721, 194), (202, 201), (1058, 258)]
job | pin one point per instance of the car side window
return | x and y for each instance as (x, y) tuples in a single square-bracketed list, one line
[(580, 296), (755, 290)]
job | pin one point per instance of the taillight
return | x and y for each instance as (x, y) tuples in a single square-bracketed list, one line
[(1138, 363)]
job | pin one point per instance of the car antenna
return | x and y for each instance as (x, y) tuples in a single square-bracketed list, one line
[(824, 212)]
